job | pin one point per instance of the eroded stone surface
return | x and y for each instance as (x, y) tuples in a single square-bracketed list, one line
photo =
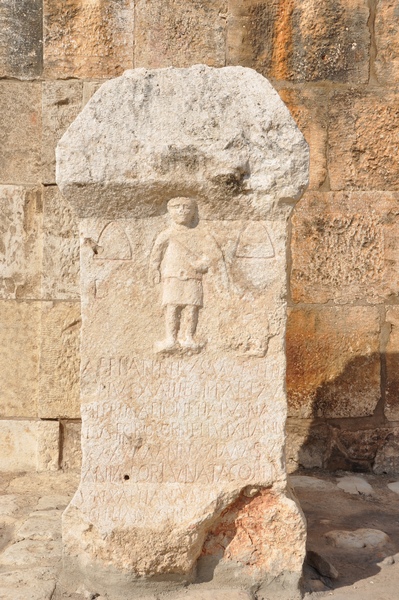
[(391, 408), (333, 361), (360, 538), (19, 358), (20, 252), (387, 456), (71, 448), (301, 40), (351, 484), (183, 431), (387, 42), (60, 277), (21, 39), (20, 134), (179, 33), (29, 445), (344, 247), (363, 134), (62, 102), (59, 360), (87, 39)]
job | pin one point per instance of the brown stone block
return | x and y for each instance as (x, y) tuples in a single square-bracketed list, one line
[(363, 140), (20, 242), (387, 42), (19, 358), (60, 275), (307, 444), (333, 361), (309, 109), (387, 457), (21, 30), (62, 102), (392, 365), (354, 450), (345, 247), (180, 33), (300, 40), (71, 447), (59, 360), (88, 39), (20, 133)]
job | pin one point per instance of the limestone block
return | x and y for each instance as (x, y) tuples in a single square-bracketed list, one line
[(87, 39), (355, 450), (353, 484), (19, 358), (60, 274), (387, 42), (333, 361), (71, 448), (20, 243), (179, 33), (29, 445), (345, 247), (309, 109), (31, 553), (392, 365), (359, 538), (90, 88), (21, 25), (363, 138), (183, 180), (62, 102), (307, 444), (35, 583), (40, 525), (20, 108), (387, 456), (59, 360), (301, 40)]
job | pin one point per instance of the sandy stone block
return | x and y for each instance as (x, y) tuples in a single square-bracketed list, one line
[(307, 444), (20, 109), (36, 583), (309, 109), (392, 365), (60, 274), (363, 140), (71, 447), (40, 525), (333, 361), (355, 450), (28, 445), (90, 88), (87, 39), (20, 244), (31, 553), (19, 358), (62, 102), (180, 33), (345, 247), (353, 484), (387, 456), (301, 40), (21, 39), (387, 42), (359, 538), (59, 360)]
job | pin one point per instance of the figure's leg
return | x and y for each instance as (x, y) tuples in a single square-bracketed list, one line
[(189, 327), (172, 324)]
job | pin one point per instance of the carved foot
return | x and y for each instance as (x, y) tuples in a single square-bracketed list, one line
[(190, 345), (165, 346)]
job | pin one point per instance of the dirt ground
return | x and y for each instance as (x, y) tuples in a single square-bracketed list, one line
[(360, 565)]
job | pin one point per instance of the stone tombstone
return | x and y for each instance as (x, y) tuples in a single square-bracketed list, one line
[(183, 181)]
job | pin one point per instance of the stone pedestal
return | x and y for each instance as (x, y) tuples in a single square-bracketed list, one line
[(183, 180)]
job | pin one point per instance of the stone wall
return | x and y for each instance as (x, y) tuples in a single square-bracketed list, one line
[(335, 64)]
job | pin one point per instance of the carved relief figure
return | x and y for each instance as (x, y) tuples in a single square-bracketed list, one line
[(179, 263)]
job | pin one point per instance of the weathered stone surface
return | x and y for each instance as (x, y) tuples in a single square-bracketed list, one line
[(21, 28), (183, 437), (40, 525), (354, 450), (386, 62), (352, 484), (301, 40), (87, 39), (394, 486), (179, 33), (90, 88), (71, 448), (60, 277), (19, 358), (360, 538), (345, 247), (59, 360), (28, 445), (363, 138), (177, 148), (391, 408), (20, 244), (307, 444), (37, 583), (387, 457), (20, 134), (62, 102), (31, 553), (333, 362), (309, 109)]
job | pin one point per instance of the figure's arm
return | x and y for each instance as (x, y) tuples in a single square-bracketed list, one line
[(156, 257)]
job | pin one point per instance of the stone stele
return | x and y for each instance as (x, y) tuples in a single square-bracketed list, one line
[(183, 181)]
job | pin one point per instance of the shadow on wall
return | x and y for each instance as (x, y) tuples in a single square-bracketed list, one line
[(368, 443)]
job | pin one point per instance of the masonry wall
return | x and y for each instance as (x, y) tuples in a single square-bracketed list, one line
[(336, 65)]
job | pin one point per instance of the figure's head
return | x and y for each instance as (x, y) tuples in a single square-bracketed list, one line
[(182, 210)]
